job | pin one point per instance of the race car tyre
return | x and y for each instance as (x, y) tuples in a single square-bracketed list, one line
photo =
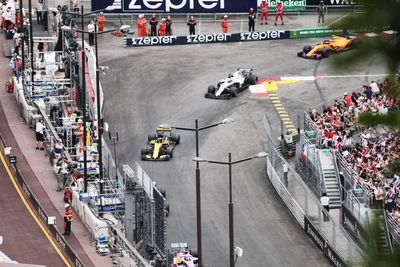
[(194, 253), (355, 43), (169, 151), (143, 157), (151, 137), (176, 138), (324, 52), (253, 79), (232, 91), (307, 48), (143, 150), (211, 89)]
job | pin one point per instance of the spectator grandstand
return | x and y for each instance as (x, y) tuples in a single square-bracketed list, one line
[(367, 151)]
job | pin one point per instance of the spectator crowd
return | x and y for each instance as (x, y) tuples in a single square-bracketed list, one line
[(368, 151)]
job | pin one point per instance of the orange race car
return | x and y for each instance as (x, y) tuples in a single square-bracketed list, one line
[(322, 50)]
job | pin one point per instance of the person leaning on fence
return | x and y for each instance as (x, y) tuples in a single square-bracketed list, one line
[(325, 205), (321, 11)]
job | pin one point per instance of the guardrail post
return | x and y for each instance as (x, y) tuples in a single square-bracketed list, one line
[(334, 235), (306, 204)]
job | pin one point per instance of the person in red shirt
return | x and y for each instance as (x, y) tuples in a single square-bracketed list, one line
[(141, 25), (101, 21), (347, 100), (68, 218), (279, 12), (17, 19), (224, 24), (162, 29), (264, 12)]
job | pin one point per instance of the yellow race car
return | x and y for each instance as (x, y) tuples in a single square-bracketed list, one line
[(322, 50), (160, 145)]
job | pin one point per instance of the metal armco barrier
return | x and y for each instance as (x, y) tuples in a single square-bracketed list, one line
[(306, 208), (33, 201), (207, 38), (322, 243)]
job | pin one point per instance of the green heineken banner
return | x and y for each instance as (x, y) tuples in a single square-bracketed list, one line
[(288, 5), (314, 32)]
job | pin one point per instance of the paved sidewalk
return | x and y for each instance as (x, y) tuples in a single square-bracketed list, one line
[(39, 174)]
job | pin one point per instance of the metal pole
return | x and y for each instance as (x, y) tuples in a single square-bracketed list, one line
[(231, 233), (99, 145), (84, 105), (21, 14), (198, 200), (31, 39)]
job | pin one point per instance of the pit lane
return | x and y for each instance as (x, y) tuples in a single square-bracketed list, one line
[(146, 87)]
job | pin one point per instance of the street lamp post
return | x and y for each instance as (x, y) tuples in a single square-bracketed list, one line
[(114, 139), (21, 27), (31, 40), (197, 129), (230, 205)]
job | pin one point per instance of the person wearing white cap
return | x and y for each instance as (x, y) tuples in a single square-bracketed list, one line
[(162, 29), (101, 21), (224, 24), (141, 25)]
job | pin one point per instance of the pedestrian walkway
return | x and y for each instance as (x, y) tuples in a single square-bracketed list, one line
[(39, 174)]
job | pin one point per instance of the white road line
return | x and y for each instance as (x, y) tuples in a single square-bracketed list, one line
[(371, 34), (336, 20), (312, 78), (352, 76)]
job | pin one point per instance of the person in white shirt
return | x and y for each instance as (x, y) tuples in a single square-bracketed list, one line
[(374, 87), (39, 135), (325, 205), (8, 18), (383, 110), (91, 30)]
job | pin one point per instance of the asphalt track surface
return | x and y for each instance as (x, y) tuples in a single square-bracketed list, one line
[(24, 241), (146, 87)]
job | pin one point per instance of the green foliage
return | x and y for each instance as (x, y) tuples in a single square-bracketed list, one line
[(392, 119), (372, 257), (377, 16)]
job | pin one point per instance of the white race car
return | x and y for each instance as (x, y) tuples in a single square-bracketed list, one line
[(231, 86)]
